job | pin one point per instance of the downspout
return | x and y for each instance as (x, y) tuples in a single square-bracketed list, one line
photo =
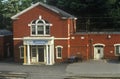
[(69, 38)]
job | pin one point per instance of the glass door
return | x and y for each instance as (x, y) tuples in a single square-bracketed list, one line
[(41, 53), (34, 54)]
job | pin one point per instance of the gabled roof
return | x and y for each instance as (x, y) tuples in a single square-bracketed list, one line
[(62, 13)]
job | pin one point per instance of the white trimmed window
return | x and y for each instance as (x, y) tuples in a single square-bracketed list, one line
[(40, 27), (59, 52), (117, 49), (21, 52)]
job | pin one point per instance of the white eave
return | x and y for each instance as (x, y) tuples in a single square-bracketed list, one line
[(20, 13), (34, 5)]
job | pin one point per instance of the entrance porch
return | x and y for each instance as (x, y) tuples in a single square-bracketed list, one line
[(38, 51)]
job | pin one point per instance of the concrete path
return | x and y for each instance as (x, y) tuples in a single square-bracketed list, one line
[(61, 71), (36, 72), (92, 68)]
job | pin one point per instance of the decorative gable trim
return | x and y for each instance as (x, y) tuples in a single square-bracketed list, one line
[(52, 8)]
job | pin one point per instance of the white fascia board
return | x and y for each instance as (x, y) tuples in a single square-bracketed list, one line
[(22, 12)]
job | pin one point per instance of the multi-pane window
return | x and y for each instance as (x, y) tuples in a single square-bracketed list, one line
[(40, 27), (33, 30), (117, 49), (21, 52), (59, 52), (47, 30)]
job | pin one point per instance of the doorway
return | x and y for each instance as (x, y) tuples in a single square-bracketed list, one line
[(38, 54), (98, 52), (41, 53)]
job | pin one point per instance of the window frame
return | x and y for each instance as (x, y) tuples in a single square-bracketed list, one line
[(44, 24), (58, 53), (21, 47), (117, 54)]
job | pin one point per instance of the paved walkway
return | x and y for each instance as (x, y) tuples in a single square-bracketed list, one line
[(36, 72), (61, 71), (92, 68)]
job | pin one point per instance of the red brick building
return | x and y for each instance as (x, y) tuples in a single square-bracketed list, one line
[(42, 34), (6, 44), (46, 34), (96, 45)]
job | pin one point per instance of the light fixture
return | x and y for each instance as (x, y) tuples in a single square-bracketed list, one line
[(109, 36)]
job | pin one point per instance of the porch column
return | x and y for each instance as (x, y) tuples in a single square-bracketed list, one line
[(51, 54), (28, 54), (25, 54), (47, 55)]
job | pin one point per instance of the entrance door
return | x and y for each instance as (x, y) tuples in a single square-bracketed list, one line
[(41, 53), (98, 52), (37, 54), (34, 54)]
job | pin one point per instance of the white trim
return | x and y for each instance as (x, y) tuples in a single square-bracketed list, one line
[(116, 44), (20, 13), (31, 7), (24, 38), (36, 25), (44, 5), (21, 51), (61, 38), (17, 38), (38, 38), (99, 44), (57, 51), (59, 46), (115, 49), (40, 35)]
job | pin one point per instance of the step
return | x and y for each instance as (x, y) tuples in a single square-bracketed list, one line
[(13, 75)]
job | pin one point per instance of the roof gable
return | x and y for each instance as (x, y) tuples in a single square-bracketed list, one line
[(62, 13)]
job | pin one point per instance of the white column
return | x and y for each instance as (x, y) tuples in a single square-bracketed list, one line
[(53, 54), (50, 53), (47, 55), (28, 54)]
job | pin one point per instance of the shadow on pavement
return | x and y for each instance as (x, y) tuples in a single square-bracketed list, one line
[(113, 61)]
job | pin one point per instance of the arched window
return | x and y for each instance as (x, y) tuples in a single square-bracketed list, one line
[(40, 27)]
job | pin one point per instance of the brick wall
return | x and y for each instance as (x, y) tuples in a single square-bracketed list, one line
[(83, 44)]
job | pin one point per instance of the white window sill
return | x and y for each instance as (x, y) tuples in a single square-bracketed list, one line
[(40, 35), (58, 58)]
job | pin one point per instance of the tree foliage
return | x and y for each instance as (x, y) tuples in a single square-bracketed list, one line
[(100, 13)]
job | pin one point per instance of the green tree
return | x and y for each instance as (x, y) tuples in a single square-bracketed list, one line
[(103, 14), (100, 13), (35, 1), (2, 19), (11, 7)]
